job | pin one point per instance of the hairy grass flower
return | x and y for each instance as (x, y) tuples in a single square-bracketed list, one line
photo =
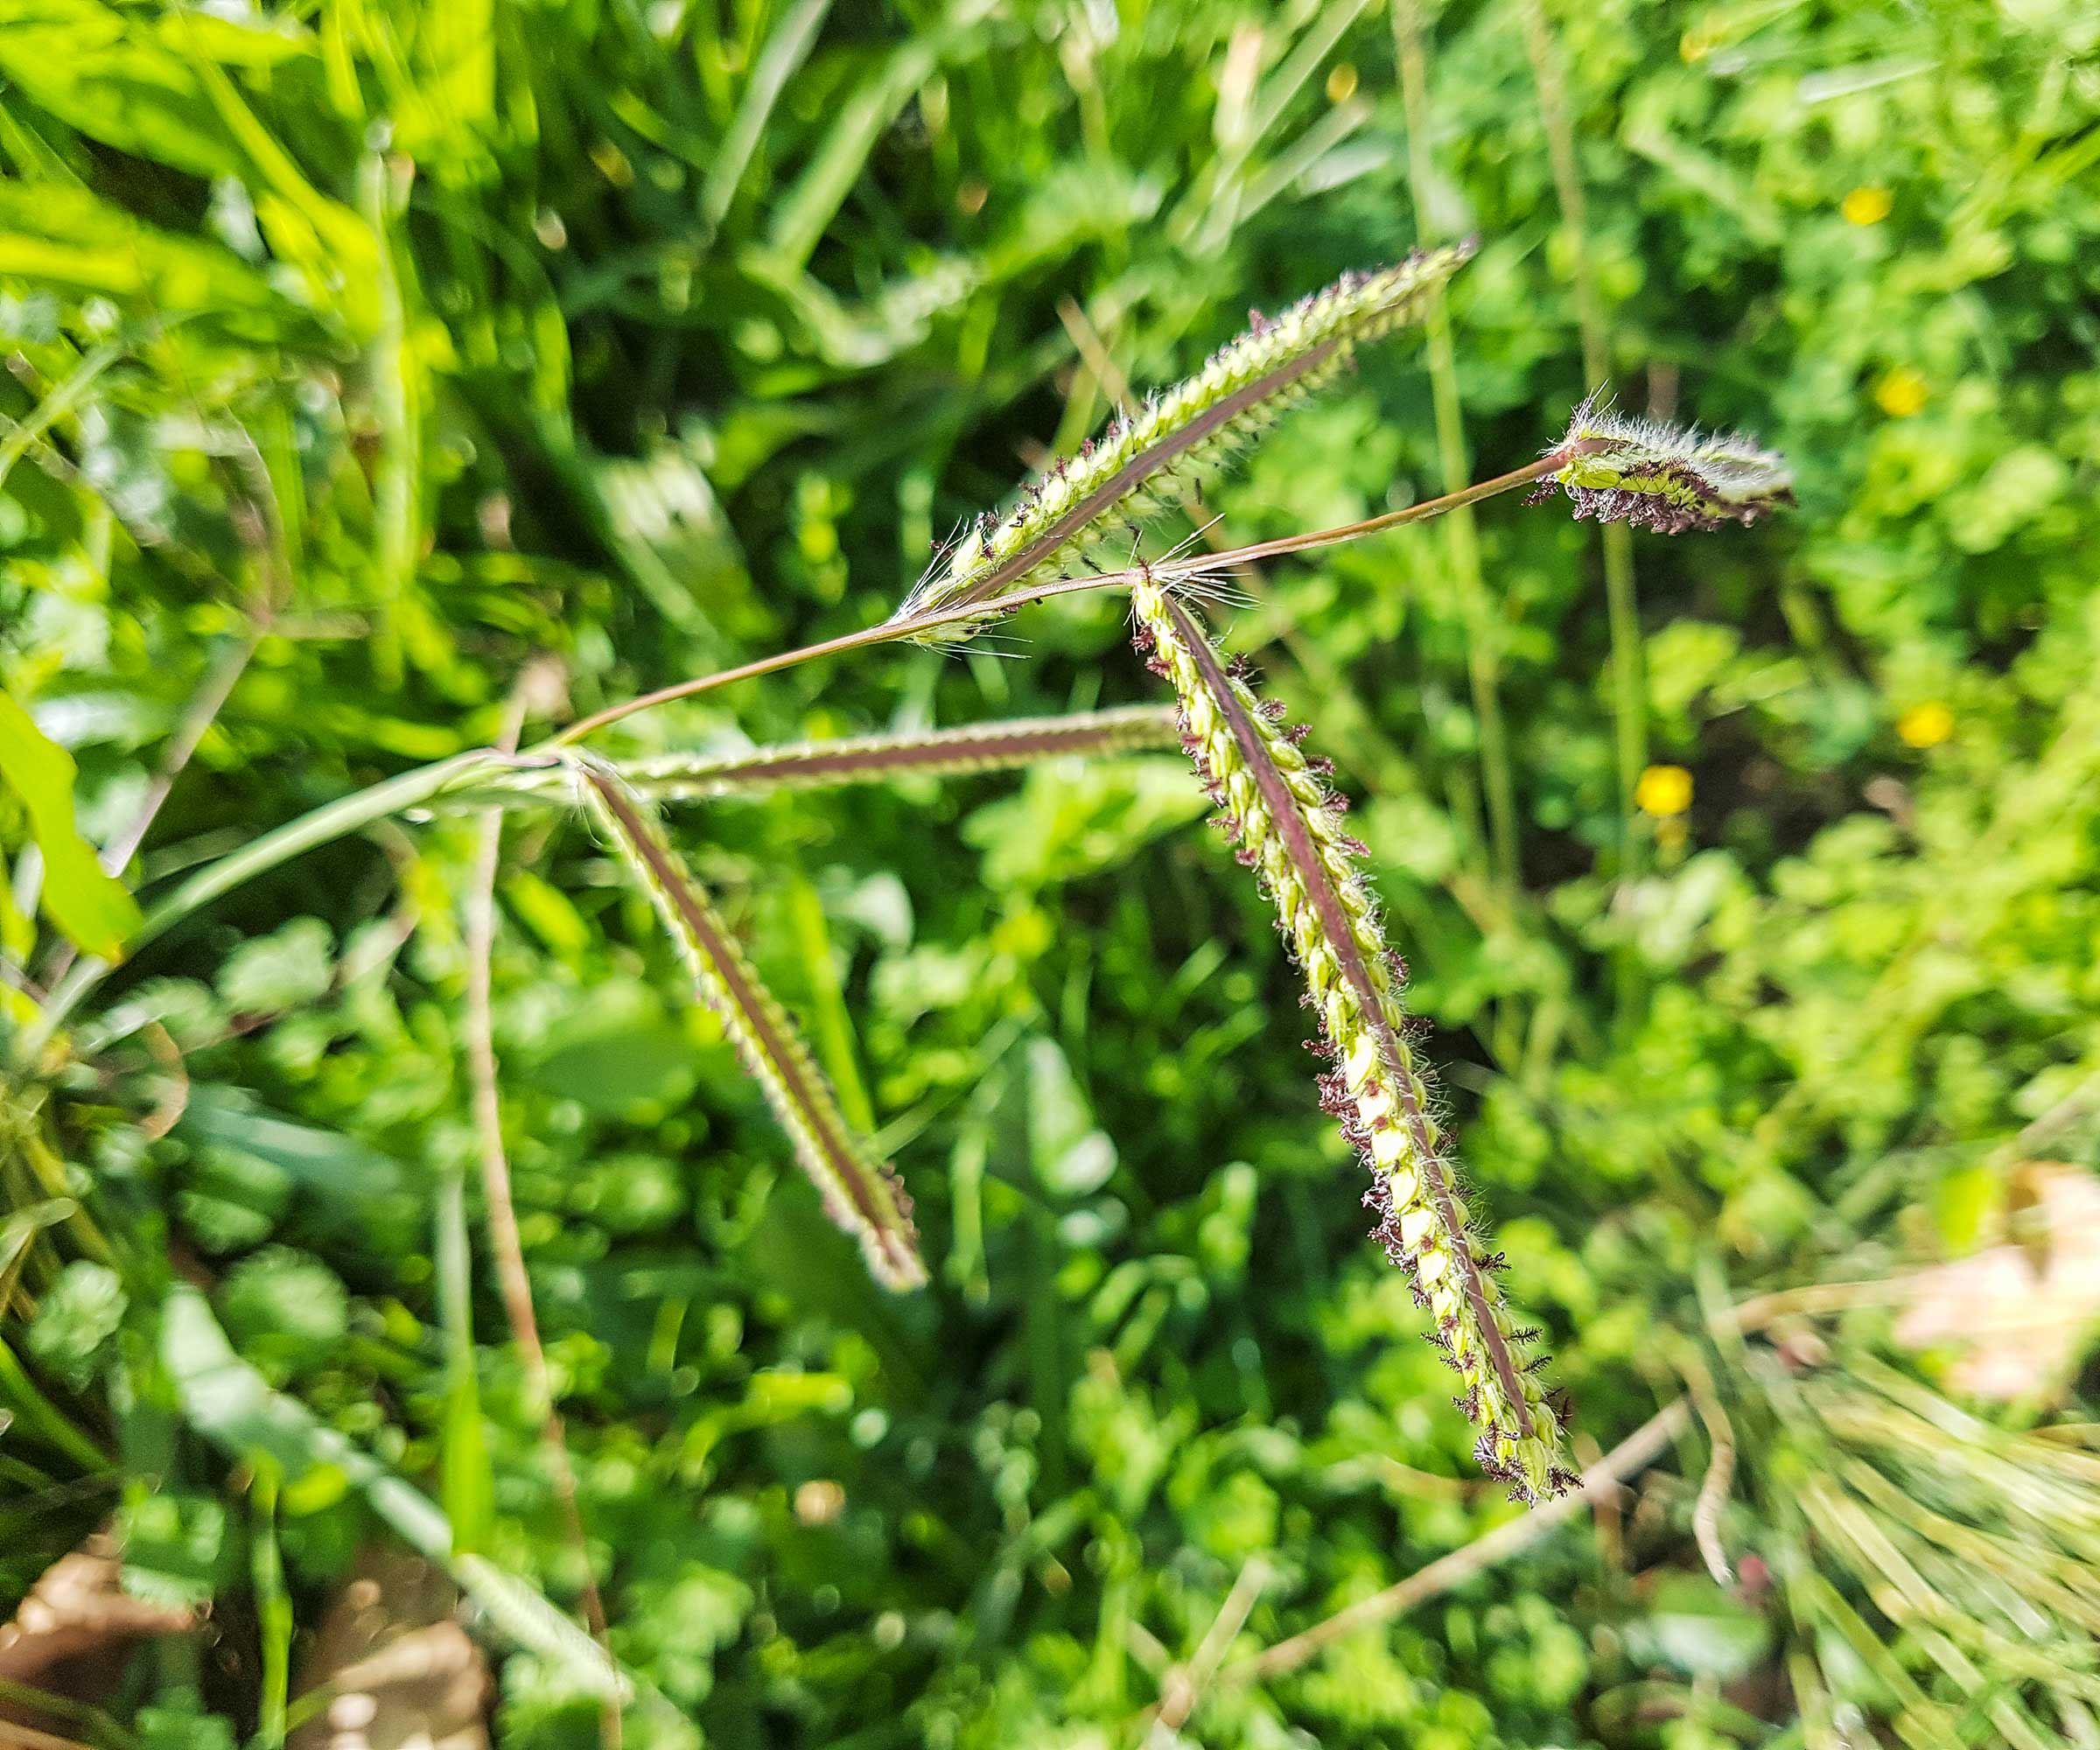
[(1286, 825), (1140, 464), (1665, 477), (862, 1192)]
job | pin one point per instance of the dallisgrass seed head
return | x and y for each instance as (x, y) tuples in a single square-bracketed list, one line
[(1140, 466), (1286, 824), (862, 1192), (1664, 478)]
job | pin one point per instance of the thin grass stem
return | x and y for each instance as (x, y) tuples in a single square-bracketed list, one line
[(1483, 659), (1634, 1453), (273, 1606), (505, 1243), (1629, 685), (1206, 564)]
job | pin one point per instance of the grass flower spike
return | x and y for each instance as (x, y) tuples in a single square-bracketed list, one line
[(936, 753), (965, 752), (861, 1192), (1285, 822), (1664, 478), (1138, 467)]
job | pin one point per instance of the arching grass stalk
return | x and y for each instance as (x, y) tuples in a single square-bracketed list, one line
[(1286, 824), (958, 620), (862, 1192), (420, 786)]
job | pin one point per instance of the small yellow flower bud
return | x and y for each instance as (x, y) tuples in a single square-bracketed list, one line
[(1902, 392), (1663, 791), (1341, 83), (1926, 725), (1867, 206)]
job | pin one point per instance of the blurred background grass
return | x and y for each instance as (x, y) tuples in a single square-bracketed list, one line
[(361, 353)]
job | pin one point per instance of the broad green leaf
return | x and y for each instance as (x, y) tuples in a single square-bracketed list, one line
[(174, 1543), (90, 907), (76, 1321), (1696, 1628), (618, 1051)]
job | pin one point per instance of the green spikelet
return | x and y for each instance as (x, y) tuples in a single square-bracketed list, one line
[(1285, 821), (1140, 464), (861, 1192)]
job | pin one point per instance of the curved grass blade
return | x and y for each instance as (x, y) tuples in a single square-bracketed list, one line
[(1143, 462), (233, 1406), (1285, 822), (861, 1192)]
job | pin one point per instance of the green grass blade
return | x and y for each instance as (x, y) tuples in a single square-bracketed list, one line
[(468, 1499), (231, 1404), (785, 49)]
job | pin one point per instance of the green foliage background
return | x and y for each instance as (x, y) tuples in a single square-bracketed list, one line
[(412, 343)]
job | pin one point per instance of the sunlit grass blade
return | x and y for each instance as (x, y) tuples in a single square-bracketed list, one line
[(233, 1406), (1286, 824), (786, 48), (861, 1192), (1146, 461)]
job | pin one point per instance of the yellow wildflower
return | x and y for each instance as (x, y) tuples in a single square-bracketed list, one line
[(1926, 725), (1663, 791), (1902, 392), (1867, 206)]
